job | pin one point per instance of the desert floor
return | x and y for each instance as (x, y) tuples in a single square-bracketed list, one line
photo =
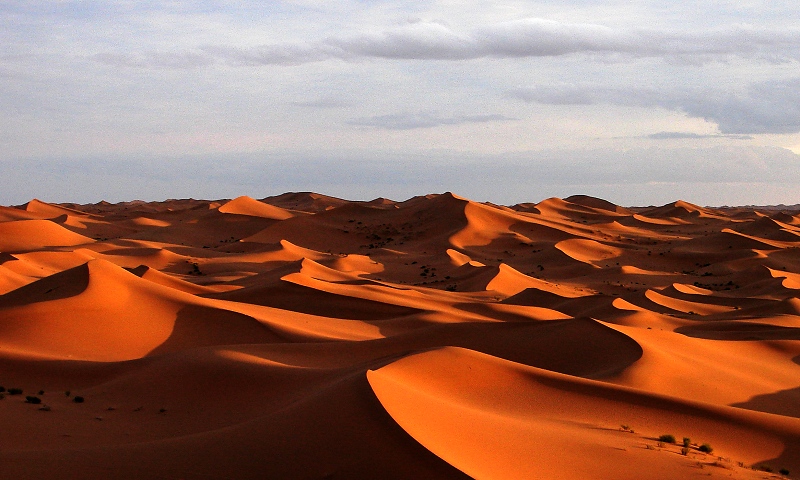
[(305, 336)]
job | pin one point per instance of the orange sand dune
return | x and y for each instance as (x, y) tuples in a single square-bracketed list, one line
[(98, 311), (247, 206), (28, 235), (307, 336), (587, 251), (771, 229), (485, 224), (9, 214), (470, 410), (687, 306), (596, 203), (682, 210), (160, 278), (583, 209), (305, 201), (48, 210), (11, 280), (791, 280)]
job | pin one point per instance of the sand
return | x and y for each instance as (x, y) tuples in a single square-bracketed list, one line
[(307, 336)]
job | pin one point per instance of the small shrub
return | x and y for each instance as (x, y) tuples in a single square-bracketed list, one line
[(685, 451), (784, 472), (67, 393), (78, 399), (765, 468), (2, 389), (667, 438), (41, 392), (33, 400), (705, 448), (687, 441), (15, 391)]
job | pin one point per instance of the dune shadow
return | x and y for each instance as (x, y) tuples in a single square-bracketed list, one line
[(65, 284), (739, 330), (782, 402), (302, 299), (581, 347), (788, 459), (198, 326)]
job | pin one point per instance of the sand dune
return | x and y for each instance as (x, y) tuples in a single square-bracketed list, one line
[(470, 410), (307, 336), (247, 206), (29, 235)]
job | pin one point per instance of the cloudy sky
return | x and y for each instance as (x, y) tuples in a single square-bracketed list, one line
[(506, 101)]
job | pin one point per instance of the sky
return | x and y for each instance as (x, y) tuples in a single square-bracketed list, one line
[(639, 103)]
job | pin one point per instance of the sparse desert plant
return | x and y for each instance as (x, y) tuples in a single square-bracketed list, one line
[(784, 472), (687, 441), (685, 451), (765, 468), (2, 389), (78, 399), (32, 399), (67, 393), (667, 438), (723, 462), (15, 391), (705, 448), (41, 392)]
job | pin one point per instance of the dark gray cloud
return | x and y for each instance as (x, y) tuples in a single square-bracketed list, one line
[(765, 107), (409, 121)]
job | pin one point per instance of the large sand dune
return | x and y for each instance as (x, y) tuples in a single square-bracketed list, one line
[(306, 336)]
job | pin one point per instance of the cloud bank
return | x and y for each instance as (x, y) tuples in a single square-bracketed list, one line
[(529, 37), (766, 107)]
